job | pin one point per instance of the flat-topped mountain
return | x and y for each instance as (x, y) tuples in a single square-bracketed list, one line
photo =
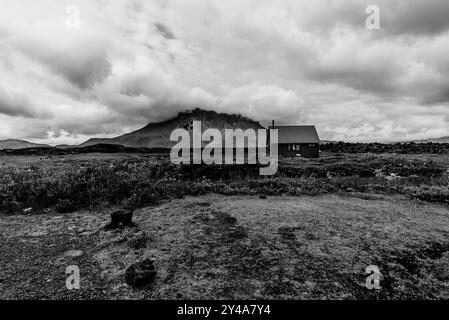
[(157, 135)]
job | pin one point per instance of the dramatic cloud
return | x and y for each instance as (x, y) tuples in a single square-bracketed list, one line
[(165, 32), (125, 63), (15, 103)]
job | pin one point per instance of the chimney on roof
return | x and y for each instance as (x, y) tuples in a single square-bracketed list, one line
[(272, 124)]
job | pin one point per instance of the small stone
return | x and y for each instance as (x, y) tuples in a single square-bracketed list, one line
[(74, 253), (310, 284), (350, 189), (86, 233), (262, 196), (27, 210), (141, 273), (121, 218)]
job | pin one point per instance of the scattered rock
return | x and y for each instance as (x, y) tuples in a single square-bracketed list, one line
[(121, 218), (86, 233), (27, 210), (74, 253), (262, 196), (141, 273), (350, 190), (310, 284)]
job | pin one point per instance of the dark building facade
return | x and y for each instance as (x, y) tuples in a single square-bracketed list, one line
[(300, 141)]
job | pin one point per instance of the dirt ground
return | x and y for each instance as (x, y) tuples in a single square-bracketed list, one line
[(235, 247)]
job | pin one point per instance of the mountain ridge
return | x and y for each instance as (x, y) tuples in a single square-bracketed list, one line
[(157, 134), (20, 144), (433, 140)]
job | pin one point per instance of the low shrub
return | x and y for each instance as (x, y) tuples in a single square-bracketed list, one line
[(65, 206), (135, 183), (430, 193)]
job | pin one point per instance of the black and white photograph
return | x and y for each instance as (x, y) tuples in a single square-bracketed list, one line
[(247, 151)]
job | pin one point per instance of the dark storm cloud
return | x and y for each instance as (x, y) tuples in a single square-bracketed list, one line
[(13, 103), (397, 17), (84, 65), (379, 82), (446, 118), (164, 31), (295, 61), (437, 97), (83, 74), (415, 17)]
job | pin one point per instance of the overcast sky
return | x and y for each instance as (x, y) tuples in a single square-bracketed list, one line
[(305, 62)]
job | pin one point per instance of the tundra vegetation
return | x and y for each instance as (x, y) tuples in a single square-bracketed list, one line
[(225, 232), (135, 182)]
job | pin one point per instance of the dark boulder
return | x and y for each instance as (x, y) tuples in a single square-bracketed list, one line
[(141, 273), (121, 218)]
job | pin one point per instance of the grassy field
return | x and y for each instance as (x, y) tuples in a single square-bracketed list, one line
[(211, 235), (71, 182)]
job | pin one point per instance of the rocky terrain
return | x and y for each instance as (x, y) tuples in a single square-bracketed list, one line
[(234, 247), (223, 232)]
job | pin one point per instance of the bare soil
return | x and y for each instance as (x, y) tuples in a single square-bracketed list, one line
[(235, 247)]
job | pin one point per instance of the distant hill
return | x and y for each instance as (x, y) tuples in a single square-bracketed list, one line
[(157, 135), (65, 146), (435, 140), (19, 144)]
